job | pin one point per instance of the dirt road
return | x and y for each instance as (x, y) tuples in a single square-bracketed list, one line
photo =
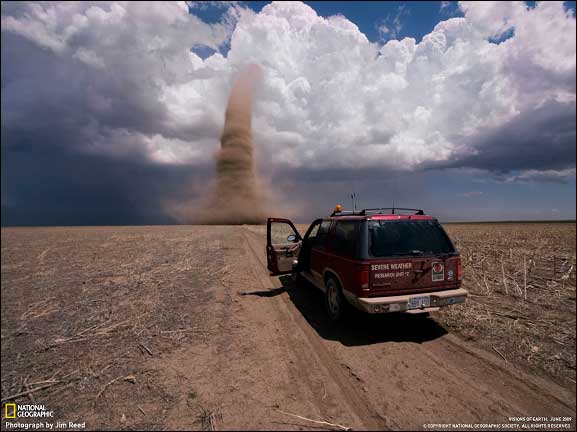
[(282, 354), (266, 349)]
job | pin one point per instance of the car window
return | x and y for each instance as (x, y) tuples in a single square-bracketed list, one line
[(315, 231), (408, 238), (325, 227), (280, 232), (322, 234), (343, 240)]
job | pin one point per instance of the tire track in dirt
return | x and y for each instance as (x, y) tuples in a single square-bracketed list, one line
[(254, 362), (369, 417), (530, 383)]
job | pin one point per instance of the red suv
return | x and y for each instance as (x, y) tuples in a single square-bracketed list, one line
[(376, 260)]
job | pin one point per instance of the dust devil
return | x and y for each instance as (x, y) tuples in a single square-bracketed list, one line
[(237, 198)]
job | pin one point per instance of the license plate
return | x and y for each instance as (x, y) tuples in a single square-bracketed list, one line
[(419, 302)]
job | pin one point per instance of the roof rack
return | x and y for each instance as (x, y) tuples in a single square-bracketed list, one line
[(345, 213), (382, 210)]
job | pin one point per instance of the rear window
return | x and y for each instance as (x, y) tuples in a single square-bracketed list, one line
[(402, 238)]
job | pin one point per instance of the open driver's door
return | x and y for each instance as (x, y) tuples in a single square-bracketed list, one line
[(283, 244)]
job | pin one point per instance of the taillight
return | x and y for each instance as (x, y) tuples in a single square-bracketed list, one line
[(459, 269), (364, 277)]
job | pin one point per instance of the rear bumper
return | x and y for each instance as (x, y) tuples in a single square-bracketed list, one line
[(437, 299)]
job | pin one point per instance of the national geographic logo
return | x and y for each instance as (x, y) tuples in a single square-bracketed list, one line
[(13, 410), (10, 411)]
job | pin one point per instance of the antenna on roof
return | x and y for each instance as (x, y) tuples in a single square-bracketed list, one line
[(353, 201), (353, 197), (395, 187)]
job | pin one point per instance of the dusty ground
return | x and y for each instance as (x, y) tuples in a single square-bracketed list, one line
[(182, 328)]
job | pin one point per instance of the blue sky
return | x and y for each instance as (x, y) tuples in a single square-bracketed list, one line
[(417, 18), (472, 122)]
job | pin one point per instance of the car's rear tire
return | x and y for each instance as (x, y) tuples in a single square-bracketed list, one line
[(335, 303)]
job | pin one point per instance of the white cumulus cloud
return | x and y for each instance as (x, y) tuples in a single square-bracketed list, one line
[(330, 98)]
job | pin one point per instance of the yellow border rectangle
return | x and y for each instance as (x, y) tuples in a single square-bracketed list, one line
[(13, 405)]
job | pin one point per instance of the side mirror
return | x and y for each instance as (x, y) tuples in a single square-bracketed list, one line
[(292, 238)]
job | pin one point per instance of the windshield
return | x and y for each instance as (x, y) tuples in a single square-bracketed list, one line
[(401, 238)]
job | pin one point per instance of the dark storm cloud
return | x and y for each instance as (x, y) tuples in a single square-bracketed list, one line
[(50, 94), (63, 162), (53, 186), (541, 140), (49, 100)]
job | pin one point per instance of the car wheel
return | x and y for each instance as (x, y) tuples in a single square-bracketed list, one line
[(335, 303)]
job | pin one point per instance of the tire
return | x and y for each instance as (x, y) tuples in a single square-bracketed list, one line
[(335, 303)]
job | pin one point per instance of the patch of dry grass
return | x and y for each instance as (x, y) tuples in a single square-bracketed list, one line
[(521, 279), (113, 298)]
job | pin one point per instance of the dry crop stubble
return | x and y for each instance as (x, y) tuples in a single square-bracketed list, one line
[(116, 296), (521, 279)]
